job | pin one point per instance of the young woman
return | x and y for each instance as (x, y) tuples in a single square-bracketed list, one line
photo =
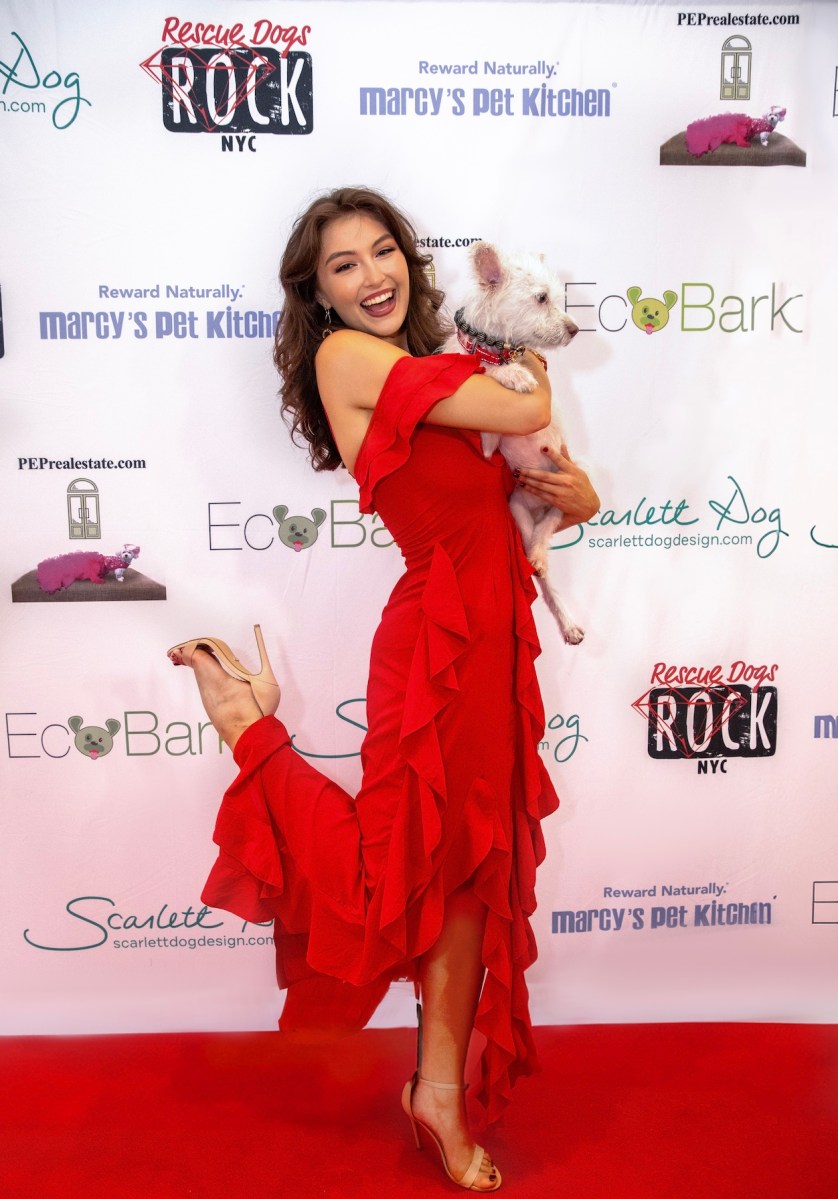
[(429, 872)]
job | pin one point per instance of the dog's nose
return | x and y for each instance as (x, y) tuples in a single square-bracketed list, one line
[(572, 329)]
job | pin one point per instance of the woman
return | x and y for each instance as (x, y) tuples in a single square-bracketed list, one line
[(429, 872)]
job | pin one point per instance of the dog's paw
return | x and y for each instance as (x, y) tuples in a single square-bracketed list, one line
[(539, 564), (515, 377), (573, 635)]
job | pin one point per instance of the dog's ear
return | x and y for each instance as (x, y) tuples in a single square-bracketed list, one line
[(113, 726), (487, 265), (75, 723), (280, 513), (318, 515), (670, 298), (633, 294)]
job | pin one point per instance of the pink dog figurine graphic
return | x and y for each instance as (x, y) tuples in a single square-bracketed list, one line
[(735, 128), (54, 574)]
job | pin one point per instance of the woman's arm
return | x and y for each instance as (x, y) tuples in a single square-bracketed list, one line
[(352, 368), (567, 488)]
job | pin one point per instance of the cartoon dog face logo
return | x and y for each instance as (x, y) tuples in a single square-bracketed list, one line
[(92, 741), (298, 532), (649, 314)]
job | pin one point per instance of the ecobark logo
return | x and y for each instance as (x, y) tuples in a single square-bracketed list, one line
[(710, 714), (30, 89), (234, 80)]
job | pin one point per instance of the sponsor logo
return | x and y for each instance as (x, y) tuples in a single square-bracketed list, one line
[(706, 909), (230, 529), (98, 920), (233, 80), (826, 727), (540, 100), (701, 20), (662, 525), (825, 901), (710, 714), (108, 325), (26, 89), (703, 306)]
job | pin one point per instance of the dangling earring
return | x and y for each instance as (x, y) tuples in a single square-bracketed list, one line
[(327, 316)]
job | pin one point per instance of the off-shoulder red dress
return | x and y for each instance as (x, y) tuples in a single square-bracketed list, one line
[(453, 785)]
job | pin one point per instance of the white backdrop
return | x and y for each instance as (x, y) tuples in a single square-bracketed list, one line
[(692, 869)]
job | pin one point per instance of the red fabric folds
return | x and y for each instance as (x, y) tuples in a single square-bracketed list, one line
[(453, 786)]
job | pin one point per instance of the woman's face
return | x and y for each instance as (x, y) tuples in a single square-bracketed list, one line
[(363, 275)]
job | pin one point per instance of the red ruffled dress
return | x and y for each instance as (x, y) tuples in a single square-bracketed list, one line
[(453, 785)]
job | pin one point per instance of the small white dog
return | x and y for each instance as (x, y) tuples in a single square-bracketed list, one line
[(515, 302)]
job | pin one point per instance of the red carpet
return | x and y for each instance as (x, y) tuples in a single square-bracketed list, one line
[(699, 1111)]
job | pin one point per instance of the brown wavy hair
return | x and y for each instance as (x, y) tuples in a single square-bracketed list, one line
[(302, 323)]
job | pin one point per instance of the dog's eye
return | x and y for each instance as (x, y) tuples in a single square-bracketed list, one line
[(542, 297)]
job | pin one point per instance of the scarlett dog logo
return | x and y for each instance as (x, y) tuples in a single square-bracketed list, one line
[(232, 80), (710, 714), (26, 90)]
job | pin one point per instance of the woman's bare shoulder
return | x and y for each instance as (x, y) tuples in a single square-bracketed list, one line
[(352, 367)]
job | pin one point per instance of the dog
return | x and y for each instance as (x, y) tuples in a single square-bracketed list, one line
[(516, 302), (55, 574), (736, 128)]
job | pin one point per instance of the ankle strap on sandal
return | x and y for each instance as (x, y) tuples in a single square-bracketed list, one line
[(442, 1086)]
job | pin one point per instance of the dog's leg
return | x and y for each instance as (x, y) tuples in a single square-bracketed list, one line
[(570, 631), (490, 442), (514, 376), (542, 535), (522, 513)]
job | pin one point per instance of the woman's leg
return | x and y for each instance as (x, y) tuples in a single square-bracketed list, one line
[(451, 978)]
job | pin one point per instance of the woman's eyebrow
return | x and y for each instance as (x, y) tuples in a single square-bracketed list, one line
[(353, 253)]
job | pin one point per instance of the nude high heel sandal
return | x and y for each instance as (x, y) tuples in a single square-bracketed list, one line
[(468, 1179), (263, 685)]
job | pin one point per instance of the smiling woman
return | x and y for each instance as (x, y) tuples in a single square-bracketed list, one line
[(428, 873)]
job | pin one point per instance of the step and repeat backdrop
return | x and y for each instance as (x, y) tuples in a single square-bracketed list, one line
[(677, 167)]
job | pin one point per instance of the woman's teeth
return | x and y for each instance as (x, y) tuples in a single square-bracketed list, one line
[(374, 301)]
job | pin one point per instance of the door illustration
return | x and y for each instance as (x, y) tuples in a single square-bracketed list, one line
[(736, 69)]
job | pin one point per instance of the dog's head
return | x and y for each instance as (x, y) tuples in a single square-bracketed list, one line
[(774, 115), (517, 299), (650, 314), (129, 553), (91, 740), (298, 532)]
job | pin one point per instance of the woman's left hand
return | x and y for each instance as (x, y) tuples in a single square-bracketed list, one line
[(567, 488)]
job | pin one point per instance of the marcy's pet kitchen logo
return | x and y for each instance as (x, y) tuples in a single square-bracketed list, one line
[(710, 713), (233, 79)]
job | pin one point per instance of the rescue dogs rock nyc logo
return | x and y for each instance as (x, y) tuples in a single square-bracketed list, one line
[(239, 85), (710, 713)]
